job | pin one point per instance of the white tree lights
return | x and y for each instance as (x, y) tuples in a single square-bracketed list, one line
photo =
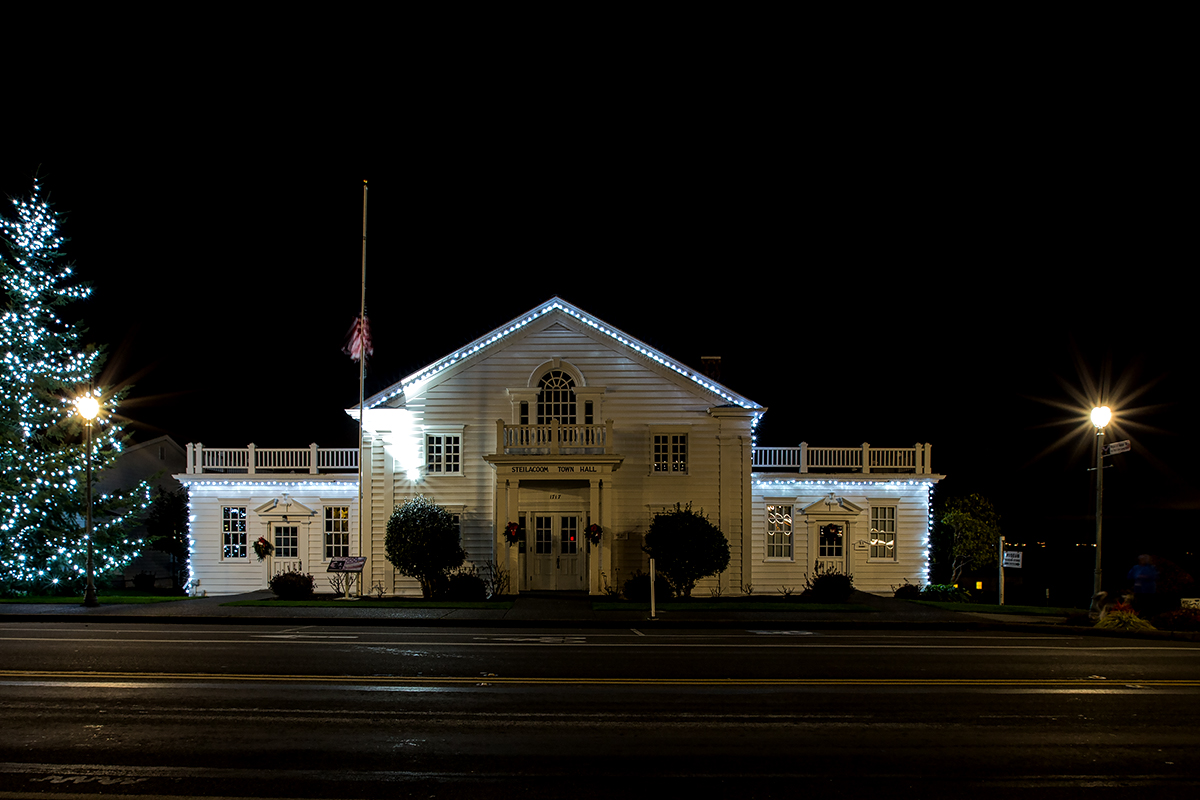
[(42, 366)]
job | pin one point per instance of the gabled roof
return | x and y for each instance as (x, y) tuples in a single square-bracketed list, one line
[(555, 305)]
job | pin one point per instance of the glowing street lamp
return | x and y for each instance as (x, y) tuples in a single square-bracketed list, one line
[(89, 409), (1101, 416)]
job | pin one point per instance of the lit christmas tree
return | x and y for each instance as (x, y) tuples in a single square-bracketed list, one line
[(43, 368)]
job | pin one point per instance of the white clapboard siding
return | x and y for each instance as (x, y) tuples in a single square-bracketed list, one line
[(214, 575), (876, 575), (639, 398)]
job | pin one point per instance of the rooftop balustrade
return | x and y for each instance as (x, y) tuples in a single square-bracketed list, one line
[(252, 460), (864, 458)]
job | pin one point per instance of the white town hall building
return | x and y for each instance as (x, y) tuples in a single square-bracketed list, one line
[(557, 421)]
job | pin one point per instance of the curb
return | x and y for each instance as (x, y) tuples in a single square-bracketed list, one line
[(611, 624)]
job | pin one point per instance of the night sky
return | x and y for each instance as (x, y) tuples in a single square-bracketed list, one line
[(975, 285)]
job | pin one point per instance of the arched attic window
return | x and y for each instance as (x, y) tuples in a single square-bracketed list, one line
[(556, 398)]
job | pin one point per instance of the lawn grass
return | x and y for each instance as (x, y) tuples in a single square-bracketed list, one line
[(500, 605), (735, 605), (109, 597), (988, 608)]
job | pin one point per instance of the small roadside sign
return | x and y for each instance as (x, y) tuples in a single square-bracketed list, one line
[(1012, 558), (1112, 448)]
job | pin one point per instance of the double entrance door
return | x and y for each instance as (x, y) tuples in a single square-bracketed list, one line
[(556, 553)]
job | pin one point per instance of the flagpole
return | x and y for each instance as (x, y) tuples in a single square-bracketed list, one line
[(362, 367)]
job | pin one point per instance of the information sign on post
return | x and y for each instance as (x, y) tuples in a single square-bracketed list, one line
[(1012, 558), (346, 564)]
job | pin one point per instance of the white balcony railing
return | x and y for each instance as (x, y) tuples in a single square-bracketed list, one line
[(554, 438), (251, 459), (865, 458)]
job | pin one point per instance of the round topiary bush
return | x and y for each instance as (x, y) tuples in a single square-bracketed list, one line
[(686, 547), (422, 542)]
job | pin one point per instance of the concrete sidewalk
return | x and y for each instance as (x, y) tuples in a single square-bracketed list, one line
[(528, 610)]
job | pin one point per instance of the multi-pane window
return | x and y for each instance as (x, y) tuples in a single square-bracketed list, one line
[(779, 531), (337, 531), (287, 541), (233, 531), (543, 535), (830, 542), (443, 454), (670, 452), (556, 398), (569, 535), (883, 531)]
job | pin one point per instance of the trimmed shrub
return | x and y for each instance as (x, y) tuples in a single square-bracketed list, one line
[(1181, 619), (945, 593), (828, 585), (637, 588), (292, 585), (686, 547), (463, 585), (422, 543), (907, 591)]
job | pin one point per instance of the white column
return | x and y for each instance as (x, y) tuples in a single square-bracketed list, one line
[(595, 555), (512, 489), (608, 544)]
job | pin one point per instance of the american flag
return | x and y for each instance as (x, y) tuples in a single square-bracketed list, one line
[(358, 340)]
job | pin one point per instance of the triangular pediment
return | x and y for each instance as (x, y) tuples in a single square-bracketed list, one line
[(556, 316), (832, 504), (283, 508)]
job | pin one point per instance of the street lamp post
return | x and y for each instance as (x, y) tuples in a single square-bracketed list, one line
[(1101, 416), (88, 408)]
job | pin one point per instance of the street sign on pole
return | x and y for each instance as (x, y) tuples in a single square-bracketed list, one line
[(1112, 448), (1012, 558)]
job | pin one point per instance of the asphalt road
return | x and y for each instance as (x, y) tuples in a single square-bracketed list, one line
[(310, 711)]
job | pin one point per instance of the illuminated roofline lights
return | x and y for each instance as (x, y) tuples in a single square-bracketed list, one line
[(557, 304)]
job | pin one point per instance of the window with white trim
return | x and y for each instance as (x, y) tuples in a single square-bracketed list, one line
[(669, 453), (779, 531), (443, 454), (337, 531), (556, 398), (883, 531), (233, 531)]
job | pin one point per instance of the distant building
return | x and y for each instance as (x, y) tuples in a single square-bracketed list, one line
[(556, 421), (156, 461)]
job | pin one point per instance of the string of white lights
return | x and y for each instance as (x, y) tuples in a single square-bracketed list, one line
[(555, 304)]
